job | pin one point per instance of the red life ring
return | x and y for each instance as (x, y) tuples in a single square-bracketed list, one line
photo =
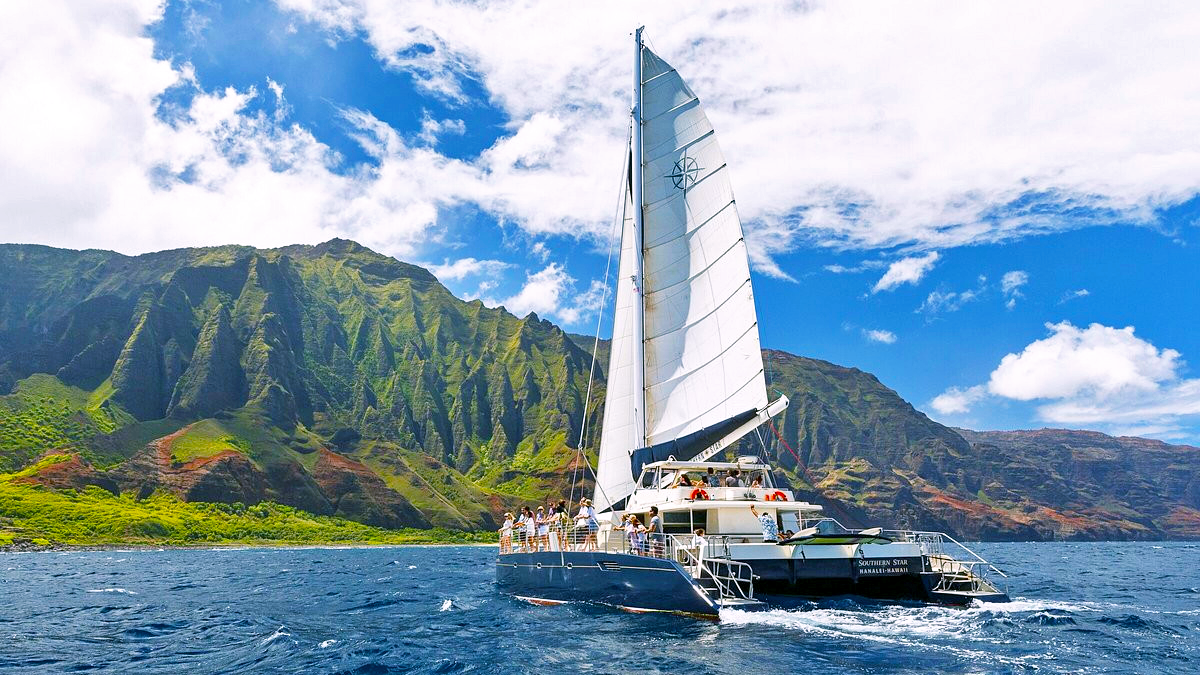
[(698, 493), (777, 496)]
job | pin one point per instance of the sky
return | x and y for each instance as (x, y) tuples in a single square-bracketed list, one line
[(993, 207)]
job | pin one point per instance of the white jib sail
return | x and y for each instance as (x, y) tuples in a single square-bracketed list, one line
[(700, 353), (623, 427)]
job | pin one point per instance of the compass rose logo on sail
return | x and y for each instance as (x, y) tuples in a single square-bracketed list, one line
[(685, 173)]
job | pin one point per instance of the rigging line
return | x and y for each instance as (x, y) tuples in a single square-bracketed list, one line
[(618, 217), (799, 463)]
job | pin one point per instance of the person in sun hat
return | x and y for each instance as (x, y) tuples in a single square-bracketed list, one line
[(506, 534), (543, 529), (587, 519)]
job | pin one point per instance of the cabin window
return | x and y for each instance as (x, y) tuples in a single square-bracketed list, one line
[(685, 522), (789, 520)]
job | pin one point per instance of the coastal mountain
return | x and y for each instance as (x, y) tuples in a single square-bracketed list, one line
[(342, 382)]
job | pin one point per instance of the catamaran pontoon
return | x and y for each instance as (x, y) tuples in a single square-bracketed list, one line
[(685, 382)]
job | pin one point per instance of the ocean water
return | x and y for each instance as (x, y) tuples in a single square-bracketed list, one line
[(1078, 607)]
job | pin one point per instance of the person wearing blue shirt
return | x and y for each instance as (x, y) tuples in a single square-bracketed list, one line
[(769, 528)]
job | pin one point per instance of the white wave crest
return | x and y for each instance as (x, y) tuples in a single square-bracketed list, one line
[(923, 627), (326, 644), (447, 605), (279, 632), (112, 590)]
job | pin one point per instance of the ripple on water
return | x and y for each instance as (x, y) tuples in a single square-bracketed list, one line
[(337, 611)]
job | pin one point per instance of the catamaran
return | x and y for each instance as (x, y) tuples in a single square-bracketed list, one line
[(686, 382)]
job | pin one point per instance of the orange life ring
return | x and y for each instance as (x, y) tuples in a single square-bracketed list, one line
[(698, 493), (777, 496)]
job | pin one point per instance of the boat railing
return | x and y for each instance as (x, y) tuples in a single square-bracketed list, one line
[(944, 554), (936, 544), (702, 557), (732, 579)]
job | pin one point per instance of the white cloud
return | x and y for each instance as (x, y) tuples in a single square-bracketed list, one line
[(947, 301), (958, 401), (887, 337), (431, 129), (1010, 286), (847, 124), (1097, 360), (89, 159), (1073, 295), (466, 267), (905, 271), (855, 269), (548, 292), (540, 251), (1098, 375), (1012, 282)]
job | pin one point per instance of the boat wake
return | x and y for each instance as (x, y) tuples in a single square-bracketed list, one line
[(966, 632)]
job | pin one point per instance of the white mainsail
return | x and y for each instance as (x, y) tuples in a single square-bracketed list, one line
[(686, 371)]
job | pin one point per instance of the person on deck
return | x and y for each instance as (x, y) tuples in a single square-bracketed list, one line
[(520, 529), (587, 519), (506, 534), (543, 530), (713, 479), (657, 538), (636, 533), (770, 531), (530, 530)]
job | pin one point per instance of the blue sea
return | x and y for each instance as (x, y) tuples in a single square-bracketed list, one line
[(1077, 608)]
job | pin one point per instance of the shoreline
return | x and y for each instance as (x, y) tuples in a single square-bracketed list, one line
[(22, 547)]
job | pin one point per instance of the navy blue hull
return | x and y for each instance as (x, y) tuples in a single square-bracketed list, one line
[(887, 579), (629, 581)]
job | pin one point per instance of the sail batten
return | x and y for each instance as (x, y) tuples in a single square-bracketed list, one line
[(686, 366)]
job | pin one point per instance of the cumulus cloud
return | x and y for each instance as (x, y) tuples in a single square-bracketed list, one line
[(548, 292), (1097, 375), (955, 401), (847, 124), (887, 337), (91, 156), (1098, 361), (905, 271), (466, 267)]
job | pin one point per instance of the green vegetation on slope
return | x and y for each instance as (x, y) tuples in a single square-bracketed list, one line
[(92, 517), (44, 413), (343, 382)]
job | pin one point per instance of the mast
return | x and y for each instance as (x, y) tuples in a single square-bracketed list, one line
[(637, 164)]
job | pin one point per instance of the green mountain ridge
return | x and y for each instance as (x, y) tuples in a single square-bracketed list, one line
[(345, 383)]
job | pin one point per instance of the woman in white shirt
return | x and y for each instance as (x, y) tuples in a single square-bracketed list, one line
[(506, 534), (543, 529), (586, 520)]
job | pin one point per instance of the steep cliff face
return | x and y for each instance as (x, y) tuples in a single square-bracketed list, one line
[(341, 381)]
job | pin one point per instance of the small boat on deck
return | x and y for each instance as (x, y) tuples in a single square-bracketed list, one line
[(830, 532), (686, 382)]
